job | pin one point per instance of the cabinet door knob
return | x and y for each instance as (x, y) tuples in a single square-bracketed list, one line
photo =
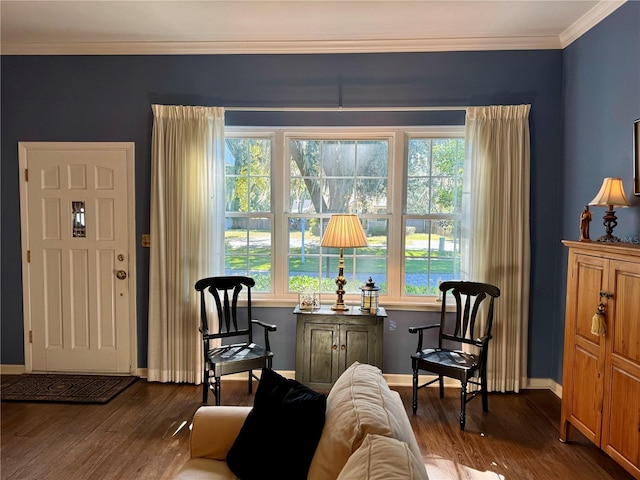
[(343, 347), (335, 347)]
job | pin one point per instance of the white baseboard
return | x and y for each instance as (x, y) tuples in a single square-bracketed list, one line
[(142, 373), (544, 384), (406, 380), (393, 379), (12, 369)]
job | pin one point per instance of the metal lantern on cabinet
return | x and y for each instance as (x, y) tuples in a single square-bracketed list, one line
[(369, 297)]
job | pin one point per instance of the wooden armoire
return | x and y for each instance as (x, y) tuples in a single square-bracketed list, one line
[(601, 377)]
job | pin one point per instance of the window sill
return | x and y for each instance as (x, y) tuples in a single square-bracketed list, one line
[(428, 304)]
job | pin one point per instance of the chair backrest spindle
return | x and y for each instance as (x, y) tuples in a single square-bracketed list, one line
[(226, 293), (469, 297)]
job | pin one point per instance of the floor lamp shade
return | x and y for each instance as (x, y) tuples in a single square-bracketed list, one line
[(343, 231)]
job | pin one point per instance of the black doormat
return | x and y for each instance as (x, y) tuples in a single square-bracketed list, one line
[(64, 388)]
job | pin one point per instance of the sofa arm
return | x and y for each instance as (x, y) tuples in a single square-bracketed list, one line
[(215, 429)]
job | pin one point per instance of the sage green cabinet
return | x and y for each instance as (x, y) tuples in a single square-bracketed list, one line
[(328, 342)]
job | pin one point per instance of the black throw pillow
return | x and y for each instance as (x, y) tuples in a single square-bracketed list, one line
[(281, 433)]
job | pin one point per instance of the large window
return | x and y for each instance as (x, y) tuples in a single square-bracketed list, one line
[(284, 184)]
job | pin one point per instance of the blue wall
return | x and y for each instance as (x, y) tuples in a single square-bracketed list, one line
[(107, 98), (601, 99)]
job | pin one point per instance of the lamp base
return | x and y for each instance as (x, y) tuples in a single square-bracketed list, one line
[(610, 221), (608, 239), (340, 282), (339, 307)]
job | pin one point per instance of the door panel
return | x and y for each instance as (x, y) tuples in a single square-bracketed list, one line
[(624, 328), (621, 437), (621, 419), (319, 354), (79, 232), (583, 376), (359, 345), (586, 407)]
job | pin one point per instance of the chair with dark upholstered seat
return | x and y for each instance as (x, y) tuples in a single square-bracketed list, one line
[(447, 360), (241, 356)]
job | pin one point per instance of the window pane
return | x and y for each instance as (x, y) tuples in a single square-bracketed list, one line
[(338, 195), (248, 174), (304, 254), (372, 196), (304, 235), (339, 158), (248, 249), (305, 158), (79, 227), (372, 158), (372, 260), (418, 195), (446, 195), (419, 157), (434, 179), (432, 254), (301, 200)]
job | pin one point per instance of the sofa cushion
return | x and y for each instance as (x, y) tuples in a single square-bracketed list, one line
[(383, 458), (215, 429), (359, 403), (205, 469), (280, 434)]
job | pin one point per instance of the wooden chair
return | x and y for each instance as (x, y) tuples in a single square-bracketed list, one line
[(454, 330), (244, 356)]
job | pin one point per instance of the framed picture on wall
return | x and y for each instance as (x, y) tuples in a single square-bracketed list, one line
[(636, 157)]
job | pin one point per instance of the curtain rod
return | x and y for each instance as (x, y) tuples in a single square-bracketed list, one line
[(342, 109)]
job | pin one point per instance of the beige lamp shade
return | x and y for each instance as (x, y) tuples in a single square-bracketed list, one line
[(344, 231), (611, 193)]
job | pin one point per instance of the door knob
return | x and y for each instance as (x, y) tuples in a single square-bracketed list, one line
[(121, 274)]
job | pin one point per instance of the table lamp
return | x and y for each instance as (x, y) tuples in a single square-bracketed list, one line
[(343, 231), (611, 194)]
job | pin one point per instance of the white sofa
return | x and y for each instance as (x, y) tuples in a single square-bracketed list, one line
[(366, 435)]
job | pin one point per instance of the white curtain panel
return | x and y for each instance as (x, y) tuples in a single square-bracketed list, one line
[(498, 158), (187, 234)]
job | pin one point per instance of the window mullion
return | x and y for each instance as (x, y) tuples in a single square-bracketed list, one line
[(280, 181), (395, 242)]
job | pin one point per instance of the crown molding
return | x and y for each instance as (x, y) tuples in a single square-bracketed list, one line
[(590, 19), (599, 12), (283, 47)]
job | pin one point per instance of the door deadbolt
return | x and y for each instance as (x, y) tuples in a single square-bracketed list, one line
[(121, 257), (121, 274)]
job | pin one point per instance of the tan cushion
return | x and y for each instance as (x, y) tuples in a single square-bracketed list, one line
[(383, 458), (359, 403), (205, 469), (215, 429)]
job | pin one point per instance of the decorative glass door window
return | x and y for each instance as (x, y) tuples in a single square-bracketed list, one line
[(79, 229)]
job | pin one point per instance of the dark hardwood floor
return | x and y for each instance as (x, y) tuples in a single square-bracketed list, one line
[(143, 433)]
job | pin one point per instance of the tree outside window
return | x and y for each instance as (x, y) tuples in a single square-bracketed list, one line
[(313, 176)]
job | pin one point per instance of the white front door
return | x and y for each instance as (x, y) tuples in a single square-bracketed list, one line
[(78, 241)]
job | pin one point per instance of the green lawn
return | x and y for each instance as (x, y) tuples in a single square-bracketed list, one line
[(258, 258)]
